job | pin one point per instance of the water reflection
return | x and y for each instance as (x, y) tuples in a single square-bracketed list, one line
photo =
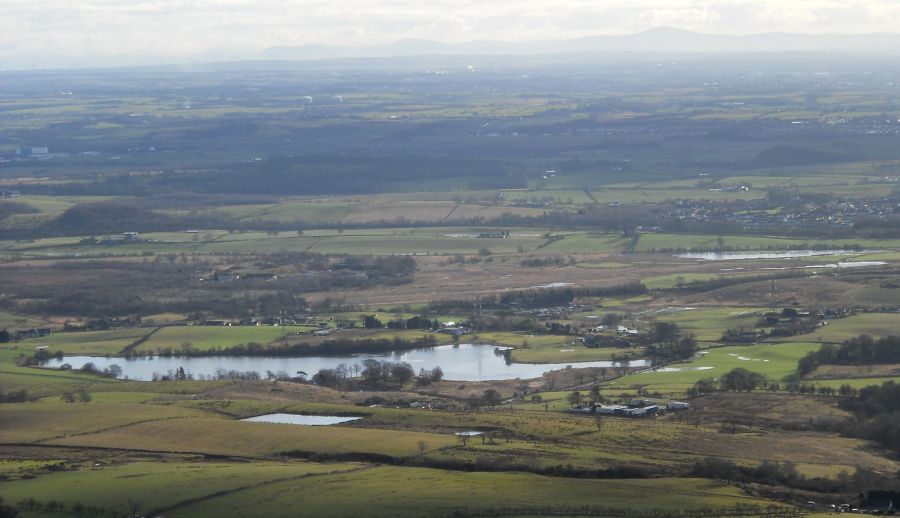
[(461, 362)]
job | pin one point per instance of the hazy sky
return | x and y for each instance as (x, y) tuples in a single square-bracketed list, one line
[(190, 26)]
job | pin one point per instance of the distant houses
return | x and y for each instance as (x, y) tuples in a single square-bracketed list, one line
[(35, 332), (634, 408), (454, 329)]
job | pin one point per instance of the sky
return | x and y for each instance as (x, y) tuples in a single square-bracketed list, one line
[(184, 27)]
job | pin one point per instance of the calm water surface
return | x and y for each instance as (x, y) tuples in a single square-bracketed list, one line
[(788, 254), (463, 362), (305, 420)]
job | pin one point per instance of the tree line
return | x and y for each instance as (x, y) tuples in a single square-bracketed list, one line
[(332, 347), (861, 350), (375, 374)]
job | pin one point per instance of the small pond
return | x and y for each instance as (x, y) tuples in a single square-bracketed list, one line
[(305, 420), (787, 254), (463, 362)]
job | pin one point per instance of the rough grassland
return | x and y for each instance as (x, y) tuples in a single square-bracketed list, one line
[(390, 491), (226, 437), (34, 422), (157, 485)]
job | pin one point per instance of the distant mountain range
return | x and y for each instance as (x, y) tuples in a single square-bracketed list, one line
[(660, 40)]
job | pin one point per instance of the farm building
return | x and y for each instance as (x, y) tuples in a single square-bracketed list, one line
[(610, 409), (646, 411)]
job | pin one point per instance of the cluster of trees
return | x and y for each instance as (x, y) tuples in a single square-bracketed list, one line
[(102, 289), (785, 474), (14, 396), (39, 357), (375, 373), (877, 412), (381, 267), (743, 381), (862, 350), (875, 400), (666, 341), (113, 217), (549, 297), (542, 262), (333, 347), (575, 397), (54, 506), (724, 282), (180, 374), (735, 380), (113, 371), (82, 395), (7, 511), (416, 322)]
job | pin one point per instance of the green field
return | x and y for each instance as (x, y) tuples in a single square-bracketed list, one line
[(652, 242), (873, 324), (208, 337), (12, 321), (310, 489), (92, 342), (390, 491), (586, 243), (708, 324), (155, 486), (52, 419), (39, 381), (775, 361), (236, 438)]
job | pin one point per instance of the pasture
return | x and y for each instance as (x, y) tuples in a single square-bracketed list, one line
[(184, 488), (708, 324), (92, 342), (12, 321), (156, 486), (392, 491), (208, 337), (775, 361), (52, 419), (841, 329), (248, 439)]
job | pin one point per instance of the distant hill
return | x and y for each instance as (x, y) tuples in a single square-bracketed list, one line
[(661, 40)]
